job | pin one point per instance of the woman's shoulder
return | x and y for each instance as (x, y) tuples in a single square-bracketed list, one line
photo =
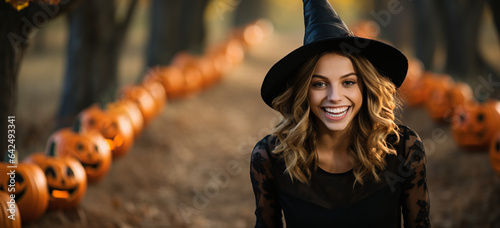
[(262, 157), (264, 147), (410, 139)]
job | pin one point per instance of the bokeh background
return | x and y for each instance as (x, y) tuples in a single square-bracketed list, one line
[(169, 177)]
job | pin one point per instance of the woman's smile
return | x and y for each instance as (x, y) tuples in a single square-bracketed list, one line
[(336, 113)]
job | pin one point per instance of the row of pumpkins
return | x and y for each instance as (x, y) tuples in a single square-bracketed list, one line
[(475, 126), (57, 179)]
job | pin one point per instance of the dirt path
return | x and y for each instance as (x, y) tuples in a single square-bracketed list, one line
[(190, 166)]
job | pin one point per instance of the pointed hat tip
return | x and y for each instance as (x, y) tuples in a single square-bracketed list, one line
[(322, 22)]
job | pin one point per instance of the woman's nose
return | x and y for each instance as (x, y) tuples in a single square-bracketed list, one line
[(334, 94)]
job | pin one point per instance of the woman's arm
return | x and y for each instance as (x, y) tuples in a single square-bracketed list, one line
[(268, 209), (416, 202)]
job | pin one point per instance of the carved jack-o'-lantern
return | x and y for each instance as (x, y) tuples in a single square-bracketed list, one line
[(439, 105), (130, 110), (30, 189), (66, 179), (474, 126), (494, 153), (9, 213), (90, 148), (116, 129)]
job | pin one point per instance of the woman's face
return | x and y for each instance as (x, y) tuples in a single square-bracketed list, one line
[(335, 93)]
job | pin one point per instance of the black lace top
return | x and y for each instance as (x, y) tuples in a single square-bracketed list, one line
[(330, 200)]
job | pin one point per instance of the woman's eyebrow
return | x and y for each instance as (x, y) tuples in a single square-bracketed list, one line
[(343, 76)]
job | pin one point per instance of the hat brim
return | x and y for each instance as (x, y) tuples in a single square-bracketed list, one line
[(388, 60)]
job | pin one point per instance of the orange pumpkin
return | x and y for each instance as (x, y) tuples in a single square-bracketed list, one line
[(90, 148), (474, 125), (266, 26), (66, 179), (143, 99), (421, 90), (226, 55), (157, 91), (116, 129), (193, 78), (494, 153), (9, 212), (439, 105), (412, 80), (366, 29), (130, 110), (171, 78), (249, 35), (30, 189), (208, 71)]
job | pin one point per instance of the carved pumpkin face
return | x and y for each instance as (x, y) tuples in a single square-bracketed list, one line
[(494, 153), (32, 195), (144, 101), (66, 179), (14, 221), (439, 105), (90, 148), (474, 126), (116, 129), (131, 111)]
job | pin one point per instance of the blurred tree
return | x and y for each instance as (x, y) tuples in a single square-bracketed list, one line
[(95, 39), (424, 35), (176, 26), (16, 27), (249, 11), (460, 22)]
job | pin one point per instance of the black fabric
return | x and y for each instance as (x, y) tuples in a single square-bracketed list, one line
[(330, 200)]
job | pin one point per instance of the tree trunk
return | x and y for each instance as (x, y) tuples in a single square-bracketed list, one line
[(15, 30), (248, 11), (95, 40), (425, 33), (175, 26), (460, 27)]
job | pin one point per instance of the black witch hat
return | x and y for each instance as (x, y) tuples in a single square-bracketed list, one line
[(325, 31)]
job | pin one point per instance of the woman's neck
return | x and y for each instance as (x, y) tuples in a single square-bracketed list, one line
[(334, 141), (332, 150)]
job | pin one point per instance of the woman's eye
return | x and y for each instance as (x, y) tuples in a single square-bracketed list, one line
[(318, 84), (348, 83)]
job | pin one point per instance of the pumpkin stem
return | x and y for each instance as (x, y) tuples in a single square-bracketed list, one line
[(52, 149)]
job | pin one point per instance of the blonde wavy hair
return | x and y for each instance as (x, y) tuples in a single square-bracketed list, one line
[(296, 130)]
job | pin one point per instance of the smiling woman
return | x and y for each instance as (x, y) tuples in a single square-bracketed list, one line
[(337, 154)]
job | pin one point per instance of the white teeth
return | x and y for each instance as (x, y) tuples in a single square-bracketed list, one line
[(336, 110)]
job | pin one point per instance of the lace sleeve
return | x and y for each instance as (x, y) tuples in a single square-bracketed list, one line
[(268, 209), (415, 202)]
